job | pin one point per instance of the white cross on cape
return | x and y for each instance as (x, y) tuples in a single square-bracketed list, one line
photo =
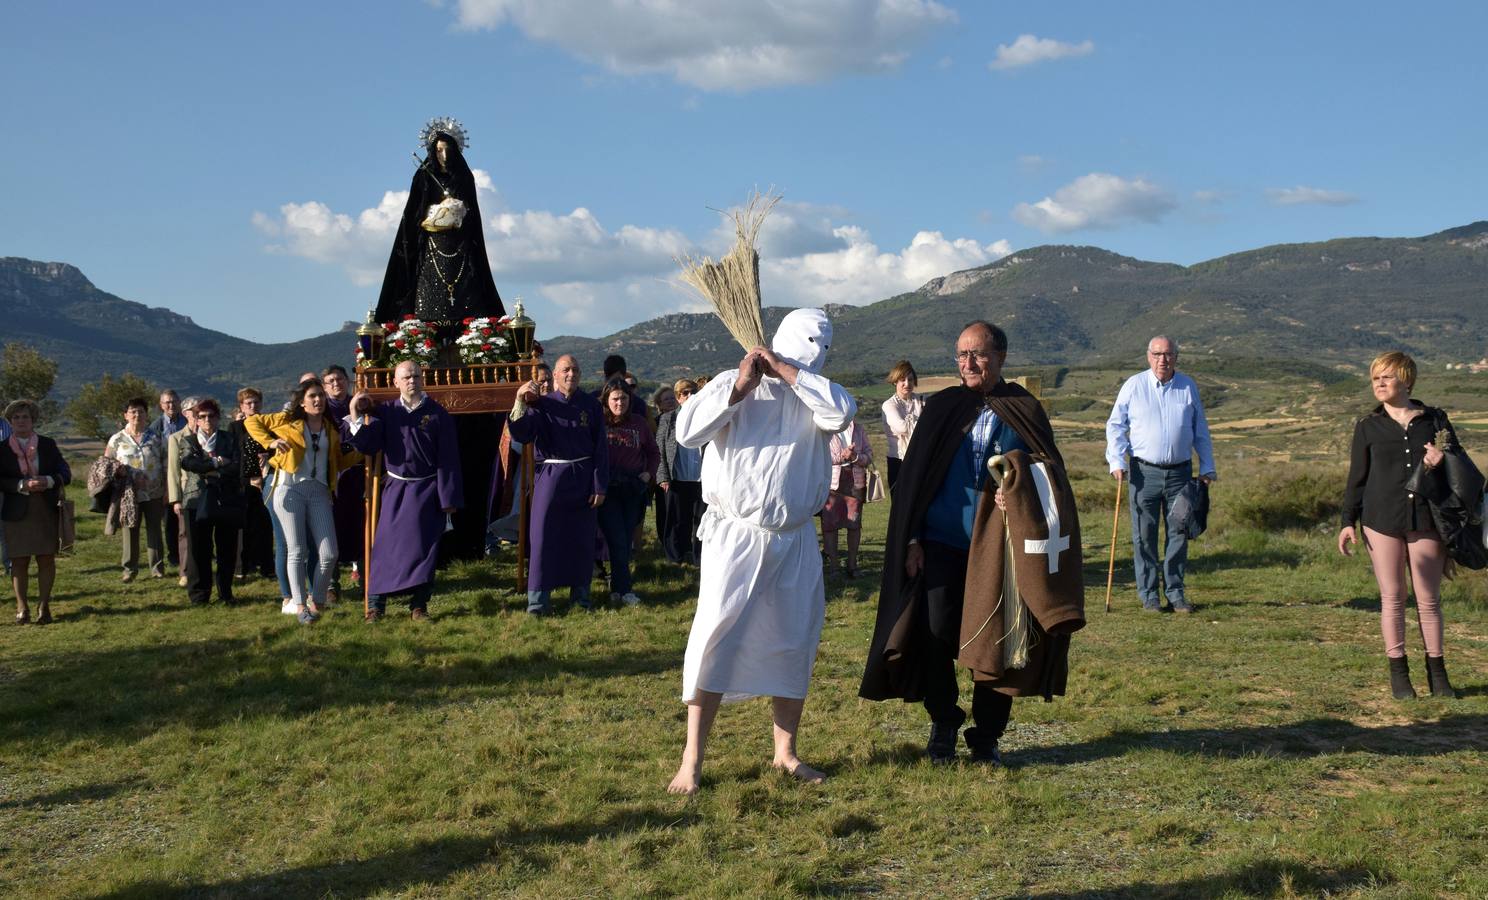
[(1057, 543)]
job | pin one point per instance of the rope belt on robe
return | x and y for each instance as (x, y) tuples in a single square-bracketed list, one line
[(410, 477), (563, 462), (712, 516)]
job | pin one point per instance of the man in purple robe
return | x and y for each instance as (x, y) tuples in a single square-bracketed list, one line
[(573, 471), (422, 457)]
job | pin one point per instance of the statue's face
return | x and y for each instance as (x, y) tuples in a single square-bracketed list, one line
[(441, 151)]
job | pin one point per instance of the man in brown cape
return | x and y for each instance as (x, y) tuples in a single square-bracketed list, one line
[(937, 549)]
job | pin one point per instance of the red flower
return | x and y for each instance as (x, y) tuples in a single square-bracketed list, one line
[(428, 343), (408, 317), (485, 332), (468, 320), (389, 327), (399, 344), (485, 346)]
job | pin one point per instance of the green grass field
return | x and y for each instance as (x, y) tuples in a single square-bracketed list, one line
[(151, 749)]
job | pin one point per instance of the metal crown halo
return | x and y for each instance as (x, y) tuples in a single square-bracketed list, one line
[(446, 125)]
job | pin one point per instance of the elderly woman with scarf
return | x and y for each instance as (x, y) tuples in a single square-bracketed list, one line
[(32, 475), (209, 498)]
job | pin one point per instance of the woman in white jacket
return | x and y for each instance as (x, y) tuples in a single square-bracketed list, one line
[(900, 414)]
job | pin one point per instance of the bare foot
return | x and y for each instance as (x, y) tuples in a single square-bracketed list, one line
[(800, 771), (689, 776)]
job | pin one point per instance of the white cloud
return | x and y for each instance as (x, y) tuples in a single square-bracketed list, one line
[(861, 273), (1097, 200), (793, 229), (358, 244), (1299, 195), (1210, 198), (1032, 162), (1027, 50), (537, 245), (722, 44)]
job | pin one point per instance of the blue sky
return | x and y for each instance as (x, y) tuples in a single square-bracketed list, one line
[(237, 162)]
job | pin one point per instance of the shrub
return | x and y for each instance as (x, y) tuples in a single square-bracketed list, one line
[(1287, 498)]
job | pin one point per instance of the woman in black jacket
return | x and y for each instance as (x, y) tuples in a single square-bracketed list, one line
[(1389, 444), (32, 475), (212, 504)]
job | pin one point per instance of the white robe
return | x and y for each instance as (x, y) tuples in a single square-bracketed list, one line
[(761, 600)]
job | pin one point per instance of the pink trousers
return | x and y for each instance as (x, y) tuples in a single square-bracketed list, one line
[(1424, 553)]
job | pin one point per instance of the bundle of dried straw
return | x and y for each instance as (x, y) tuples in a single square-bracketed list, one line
[(732, 283)]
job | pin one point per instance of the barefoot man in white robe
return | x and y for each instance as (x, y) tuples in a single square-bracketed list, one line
[(761, 601)]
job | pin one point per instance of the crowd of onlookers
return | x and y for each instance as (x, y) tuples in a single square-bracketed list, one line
[(214, 496)]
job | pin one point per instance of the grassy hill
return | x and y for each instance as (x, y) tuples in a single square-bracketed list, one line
[(1299, 308), (54, 307), (1334, 303)]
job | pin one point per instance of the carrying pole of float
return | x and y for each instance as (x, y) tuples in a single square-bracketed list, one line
[(372, 497), (524, 521)]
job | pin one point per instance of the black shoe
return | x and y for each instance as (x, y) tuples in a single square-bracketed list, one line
[(941, 748), (1400, 684), (986, 757), (983, 746), (1436, 677)]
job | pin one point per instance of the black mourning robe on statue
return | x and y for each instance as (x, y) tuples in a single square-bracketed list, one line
[(424, 265), (892, 670)]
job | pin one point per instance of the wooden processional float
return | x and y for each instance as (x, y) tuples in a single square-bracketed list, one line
[(462, 389)]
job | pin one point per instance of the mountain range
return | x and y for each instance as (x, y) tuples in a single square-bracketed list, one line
[(1331, 304)]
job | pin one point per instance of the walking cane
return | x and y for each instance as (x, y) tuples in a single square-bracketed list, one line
[(1115, 523)]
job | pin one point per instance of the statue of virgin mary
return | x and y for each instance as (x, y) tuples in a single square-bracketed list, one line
[(438, 270)]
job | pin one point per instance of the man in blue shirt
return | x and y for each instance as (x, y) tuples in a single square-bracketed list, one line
[(170, 422), (1159, 423)]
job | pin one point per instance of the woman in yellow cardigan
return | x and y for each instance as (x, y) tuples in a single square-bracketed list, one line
[(308, 457)]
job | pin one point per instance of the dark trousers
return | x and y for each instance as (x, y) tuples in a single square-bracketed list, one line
[(258, 535), (623, 508), (418, 598), (172, 537), (685, 509), (204, 540), (939, 629)]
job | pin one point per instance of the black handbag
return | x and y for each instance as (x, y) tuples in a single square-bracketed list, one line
[(214, 508)]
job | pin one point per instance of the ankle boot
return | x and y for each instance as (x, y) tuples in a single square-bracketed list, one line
[(941, 748), (1436, 676), (1400, 684)]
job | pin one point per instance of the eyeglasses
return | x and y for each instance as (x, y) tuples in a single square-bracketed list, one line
[(980, 356), (208, 415)]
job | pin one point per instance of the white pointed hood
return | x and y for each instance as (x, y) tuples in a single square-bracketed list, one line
[(803, 338)]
